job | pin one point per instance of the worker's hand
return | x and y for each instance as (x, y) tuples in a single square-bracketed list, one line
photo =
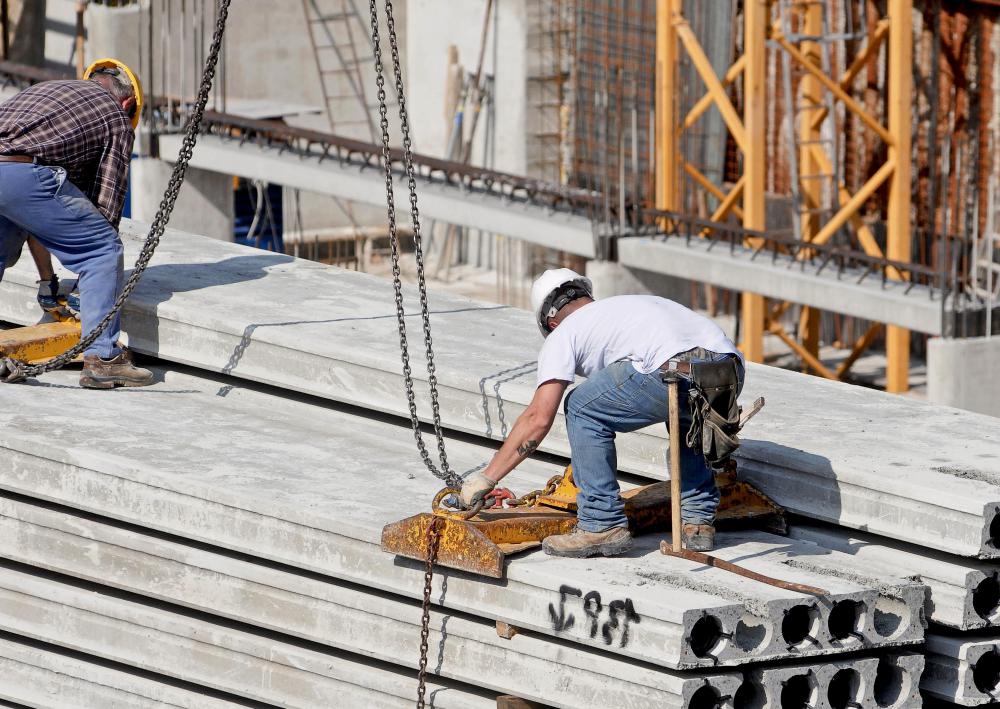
[(474, 489)]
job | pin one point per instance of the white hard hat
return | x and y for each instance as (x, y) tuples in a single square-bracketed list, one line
[(549, 285)]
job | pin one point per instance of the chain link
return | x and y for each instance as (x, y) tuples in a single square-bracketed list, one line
[(445, 472), (433, 541), (19, 369)]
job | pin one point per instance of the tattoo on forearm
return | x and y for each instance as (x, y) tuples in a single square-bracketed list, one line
[(527, 448)]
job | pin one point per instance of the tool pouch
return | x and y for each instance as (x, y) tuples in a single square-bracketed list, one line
[(715, 415)]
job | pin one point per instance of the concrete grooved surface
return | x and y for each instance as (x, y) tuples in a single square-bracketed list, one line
[(329, 332)]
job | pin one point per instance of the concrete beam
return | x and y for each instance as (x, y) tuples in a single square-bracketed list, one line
[(963, 594), (378, 626), (536, 225), (741, 269), (962, 670), (45, 679), (242, 483), (839, 453), (256, 666)]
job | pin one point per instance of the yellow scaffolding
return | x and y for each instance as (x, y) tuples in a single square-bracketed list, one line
[(745, 199)]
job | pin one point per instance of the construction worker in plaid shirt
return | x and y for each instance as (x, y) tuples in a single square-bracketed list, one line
[(65, 148)]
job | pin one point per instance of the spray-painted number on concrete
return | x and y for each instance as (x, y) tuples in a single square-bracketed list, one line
[(611, 620)]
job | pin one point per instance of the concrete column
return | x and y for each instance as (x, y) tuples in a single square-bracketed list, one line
[(205, 204), (963, 373)]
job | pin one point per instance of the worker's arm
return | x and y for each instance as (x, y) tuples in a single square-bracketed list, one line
[(527, 434), (111, 179), (42, 258)]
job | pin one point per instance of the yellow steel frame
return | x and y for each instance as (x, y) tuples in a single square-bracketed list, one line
[(746, 198)]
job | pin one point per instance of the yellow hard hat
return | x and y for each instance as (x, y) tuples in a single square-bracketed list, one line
[(120, 68)]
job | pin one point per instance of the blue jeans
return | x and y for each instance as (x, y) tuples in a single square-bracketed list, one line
[(39, 200), (618, 399)]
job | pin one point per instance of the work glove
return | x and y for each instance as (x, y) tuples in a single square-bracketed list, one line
[(60, 299), (475, 488)]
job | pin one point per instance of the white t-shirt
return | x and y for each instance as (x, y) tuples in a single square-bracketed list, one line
[(645, 329)]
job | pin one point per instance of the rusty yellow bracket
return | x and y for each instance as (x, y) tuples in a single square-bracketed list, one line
[(481, 543), (39, 343)]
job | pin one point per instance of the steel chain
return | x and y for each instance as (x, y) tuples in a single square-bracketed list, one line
[(445, 472), (433, 541), (159, 224)]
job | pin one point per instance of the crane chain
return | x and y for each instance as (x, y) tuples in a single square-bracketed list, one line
[(445, 473), (12, 370)]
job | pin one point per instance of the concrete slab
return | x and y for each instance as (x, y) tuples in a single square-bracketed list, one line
[(962, 372), (292, 482), (375, 625), (839, 453), (739, 268), (964, 670), (257, 666), (963, 594), (888, 681), (46, 679)]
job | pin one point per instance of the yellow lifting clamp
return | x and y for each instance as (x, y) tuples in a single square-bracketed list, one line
[(478, 542), (35, 344)]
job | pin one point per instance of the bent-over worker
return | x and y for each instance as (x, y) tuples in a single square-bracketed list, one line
[(65, 148), (623, 345)]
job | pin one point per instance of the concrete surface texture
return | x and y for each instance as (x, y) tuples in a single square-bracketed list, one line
[(963, 594), (316, 329), (45, 677), (292, 482), (375, 625), (962, 372), (262, 667), (964, 670)]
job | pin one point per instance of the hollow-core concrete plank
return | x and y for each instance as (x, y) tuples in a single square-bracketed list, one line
[(381, 626), (963, 669), (963, 594), (844, 454), (46, 679), (310, 486), (254, 665)]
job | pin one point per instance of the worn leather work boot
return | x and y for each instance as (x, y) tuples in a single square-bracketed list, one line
[(118, 371), (698, 537), (578, 543)]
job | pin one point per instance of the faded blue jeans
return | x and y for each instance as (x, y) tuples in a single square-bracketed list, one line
[(618, 399), (39, 200)]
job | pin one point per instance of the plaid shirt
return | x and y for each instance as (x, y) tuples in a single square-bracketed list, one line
[(76, 125)]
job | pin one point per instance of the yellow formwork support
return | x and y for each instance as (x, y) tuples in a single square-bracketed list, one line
[(39, 343)]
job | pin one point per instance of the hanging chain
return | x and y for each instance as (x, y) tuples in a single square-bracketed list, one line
[(433, 541), (445, 473), (15, 370)]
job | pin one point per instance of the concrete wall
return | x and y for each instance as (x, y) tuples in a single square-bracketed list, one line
[(965, 373), (205, 203), (440, 23), (611, 278)]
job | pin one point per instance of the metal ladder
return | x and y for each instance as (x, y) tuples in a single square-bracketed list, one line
[(800, 110), (335, 30)]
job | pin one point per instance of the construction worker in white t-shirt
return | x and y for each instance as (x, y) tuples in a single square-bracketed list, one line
[(623, 346)]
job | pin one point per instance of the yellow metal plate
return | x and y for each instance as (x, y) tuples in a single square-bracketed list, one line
[(39, 343)]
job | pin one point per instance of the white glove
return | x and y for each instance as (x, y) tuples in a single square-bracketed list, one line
[(475, 488)]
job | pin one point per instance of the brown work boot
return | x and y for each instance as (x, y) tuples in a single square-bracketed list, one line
[(118, 371), (578, 543), (698, 537)]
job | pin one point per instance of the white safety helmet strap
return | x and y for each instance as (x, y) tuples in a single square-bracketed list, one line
[(555, 289)]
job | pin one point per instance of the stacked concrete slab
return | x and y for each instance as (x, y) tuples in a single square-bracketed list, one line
[(237, 517)]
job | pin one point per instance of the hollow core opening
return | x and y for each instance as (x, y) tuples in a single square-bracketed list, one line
[(845, 619), (797, 625), (750, 695), (994, 539), (705, 635), (749, 634), (797, 693), (845, 689), (888, 683), (986, 672), (705, 698), (891, 617), (986, 598)]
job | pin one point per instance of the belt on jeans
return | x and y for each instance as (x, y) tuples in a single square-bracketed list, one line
[(674, 365), (17, 158)]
